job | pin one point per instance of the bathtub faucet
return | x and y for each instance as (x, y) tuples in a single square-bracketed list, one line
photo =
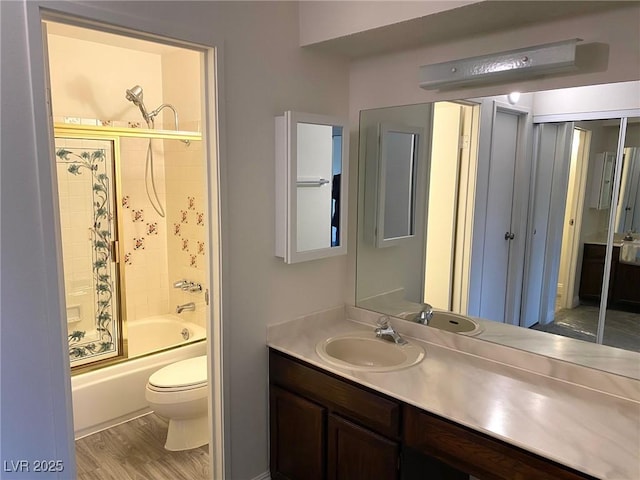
[(189, 307)]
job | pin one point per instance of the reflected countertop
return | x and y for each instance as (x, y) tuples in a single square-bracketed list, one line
[(600, 238), (545, 409)]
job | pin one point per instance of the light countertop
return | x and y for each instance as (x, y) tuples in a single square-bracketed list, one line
[(586, 429)]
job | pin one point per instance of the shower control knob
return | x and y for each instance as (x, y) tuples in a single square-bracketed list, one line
[(180, 284)]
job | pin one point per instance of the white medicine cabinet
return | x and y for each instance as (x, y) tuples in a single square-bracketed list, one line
[(311, 186)]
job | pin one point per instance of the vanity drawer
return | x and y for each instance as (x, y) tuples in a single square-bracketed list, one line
[(372, 410), (475, 453)]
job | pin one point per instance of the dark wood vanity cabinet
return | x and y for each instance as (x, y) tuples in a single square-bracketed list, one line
[(323, 427), (474, 453), (326, 427), (297, 436), (593, 271), (624, 279), (355, 452)]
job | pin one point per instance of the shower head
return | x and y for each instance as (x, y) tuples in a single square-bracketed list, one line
[(134, 95)]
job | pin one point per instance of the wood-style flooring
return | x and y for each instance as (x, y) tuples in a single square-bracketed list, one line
[(135, 451), (621, 329)]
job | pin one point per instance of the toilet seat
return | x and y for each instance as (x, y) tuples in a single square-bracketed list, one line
[(189, 374)]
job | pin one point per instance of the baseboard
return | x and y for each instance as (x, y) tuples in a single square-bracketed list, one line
[(263, 476), (111, 423), (576, 302)]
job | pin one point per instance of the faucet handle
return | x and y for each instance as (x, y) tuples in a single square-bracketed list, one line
[(383, 322), (180, 284)]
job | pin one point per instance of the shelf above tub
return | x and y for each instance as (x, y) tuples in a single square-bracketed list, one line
[(106, 131)]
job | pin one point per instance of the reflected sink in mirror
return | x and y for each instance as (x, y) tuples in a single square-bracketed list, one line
[(449, 321), (363, 351)]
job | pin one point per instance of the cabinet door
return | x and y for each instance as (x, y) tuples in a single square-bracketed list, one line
[(626, 290), (593, 272), (297, 437), (355, 453)]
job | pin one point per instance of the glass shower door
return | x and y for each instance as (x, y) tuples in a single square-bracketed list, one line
[(86, 187)]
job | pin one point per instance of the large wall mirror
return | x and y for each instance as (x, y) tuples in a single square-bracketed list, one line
[(311, 171), (526, 214)]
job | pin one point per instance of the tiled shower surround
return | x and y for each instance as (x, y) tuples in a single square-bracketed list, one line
[(160, 251)]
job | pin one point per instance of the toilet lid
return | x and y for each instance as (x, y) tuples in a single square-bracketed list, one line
[(185, 373)]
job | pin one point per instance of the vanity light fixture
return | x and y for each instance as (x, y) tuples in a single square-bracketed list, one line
[(530, 61)]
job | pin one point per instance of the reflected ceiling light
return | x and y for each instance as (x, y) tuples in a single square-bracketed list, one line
[(513, 97), (496, 67)]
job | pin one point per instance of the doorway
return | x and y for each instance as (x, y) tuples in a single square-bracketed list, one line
[(502, 233), (154, 249), (566, 295)]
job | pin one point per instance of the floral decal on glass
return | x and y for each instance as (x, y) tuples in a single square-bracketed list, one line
[(176, 229), (127, 259), (93, 163), (183, 216), (199, 218), (126, 201), (185, 244), (152, 228), (191, 203), (194, 261), (200, 248)]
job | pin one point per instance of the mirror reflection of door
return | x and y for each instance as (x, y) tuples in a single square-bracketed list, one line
[(499, 235), (573, 303)]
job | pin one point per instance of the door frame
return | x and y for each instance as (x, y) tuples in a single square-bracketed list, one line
[(579, 191), (210, 44)]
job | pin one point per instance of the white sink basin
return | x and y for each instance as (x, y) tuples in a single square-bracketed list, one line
[(365, 352), (449, 321)]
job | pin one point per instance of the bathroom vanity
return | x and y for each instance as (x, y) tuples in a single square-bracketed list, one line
[(451, 416), (624, 293), (323, 426)]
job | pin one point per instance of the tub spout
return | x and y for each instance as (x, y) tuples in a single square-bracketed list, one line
[(189, 307)]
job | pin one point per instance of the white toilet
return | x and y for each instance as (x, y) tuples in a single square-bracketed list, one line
[(178, 392)]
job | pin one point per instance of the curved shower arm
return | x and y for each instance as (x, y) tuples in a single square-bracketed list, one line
[(154, 113)]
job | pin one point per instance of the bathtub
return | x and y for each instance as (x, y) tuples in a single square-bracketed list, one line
[(112, 395), (155, 333)]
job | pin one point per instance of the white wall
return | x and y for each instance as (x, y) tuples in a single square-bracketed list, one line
[(385, 270), (592, 98), (34, 389), (320, 21), (264, 72)]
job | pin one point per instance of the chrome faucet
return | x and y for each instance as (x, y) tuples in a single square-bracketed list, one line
[(386, 332), (189, 307), (188, 286), (425, 315)]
